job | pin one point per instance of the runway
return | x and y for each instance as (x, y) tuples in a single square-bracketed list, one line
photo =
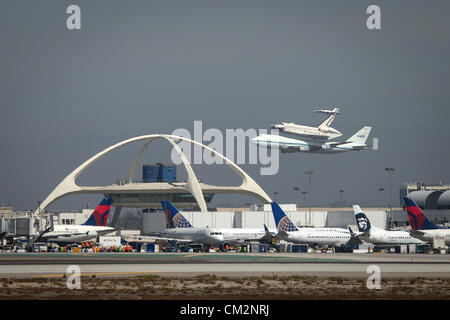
[(242, 269), (236, 265)]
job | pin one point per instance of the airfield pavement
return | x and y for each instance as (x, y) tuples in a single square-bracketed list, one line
[(224, 276)]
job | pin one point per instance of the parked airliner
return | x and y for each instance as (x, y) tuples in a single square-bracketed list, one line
[(179, 229), (287, 231), (94, 226), (421, 226), (377, 236)]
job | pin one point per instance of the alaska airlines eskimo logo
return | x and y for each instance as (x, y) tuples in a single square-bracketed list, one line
[(362, 223), (180, 222), (286, 225)]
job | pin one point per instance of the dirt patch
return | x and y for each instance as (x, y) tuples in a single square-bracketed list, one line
[(213, 287)]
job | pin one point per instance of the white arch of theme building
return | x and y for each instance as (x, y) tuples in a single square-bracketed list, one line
[(68, 185)]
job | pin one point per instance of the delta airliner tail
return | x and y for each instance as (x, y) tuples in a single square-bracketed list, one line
[(100, 215), (282, 222), (174, 219), (417, 218)]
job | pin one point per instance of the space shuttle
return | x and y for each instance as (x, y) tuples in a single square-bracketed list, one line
[(322, 132)]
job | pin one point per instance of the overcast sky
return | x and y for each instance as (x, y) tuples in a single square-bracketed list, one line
[(142, 67)]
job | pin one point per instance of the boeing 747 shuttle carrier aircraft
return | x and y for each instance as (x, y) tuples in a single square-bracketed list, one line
[(289, 145)]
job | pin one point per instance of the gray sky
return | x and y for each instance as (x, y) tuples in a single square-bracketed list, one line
[(141, 67)]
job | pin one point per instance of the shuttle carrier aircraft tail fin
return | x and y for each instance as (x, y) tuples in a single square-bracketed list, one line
[(100, 215), (361, 136), (282, 222), (174, 219), (417, 218)]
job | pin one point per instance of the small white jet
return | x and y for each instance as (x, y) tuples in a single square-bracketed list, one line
[(287, 231), (94, 226), (322, 132), (422, 227), (377, 236), (179, 229), (288, 145)]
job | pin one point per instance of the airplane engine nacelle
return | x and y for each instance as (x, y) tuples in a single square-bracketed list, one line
[(289, 149)]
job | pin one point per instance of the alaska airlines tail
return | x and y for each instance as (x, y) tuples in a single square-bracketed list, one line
[(100, 215), (174, 219), (282, 222), (361, 136), (417, 218), (361, 219)]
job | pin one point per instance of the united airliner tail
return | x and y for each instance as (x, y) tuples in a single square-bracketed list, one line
[(174, 219), (282, 222), (417, 218), (362, 221), (100, 215), (361, 136)]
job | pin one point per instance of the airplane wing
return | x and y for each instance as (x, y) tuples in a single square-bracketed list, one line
[(417, 234), (43, 236), (334, 144), (161, 236), (175, 239), (158, 238), (281, 235), (239, 240), (269, 237), (68, 235), (364, 236), (354, 237)]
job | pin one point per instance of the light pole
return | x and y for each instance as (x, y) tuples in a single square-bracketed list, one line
[(381, 194), (275, 196), (341, 192), (297, 190), (389, 171), (309, 173)]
